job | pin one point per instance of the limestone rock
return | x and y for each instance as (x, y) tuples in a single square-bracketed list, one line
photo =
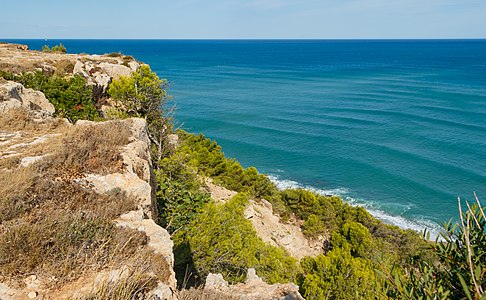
[(29, 160), (253, 289), (23, 47), (32, 295), (218, 193), (173, 139), (215, 281), (252, 277), (288, 236), (15, 95), (115, 70), (134, 65)]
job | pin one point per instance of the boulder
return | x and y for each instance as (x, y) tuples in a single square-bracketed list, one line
[(114, 70), (253, 289), (15, 95)]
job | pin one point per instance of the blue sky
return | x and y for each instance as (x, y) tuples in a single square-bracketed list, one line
[(181, 19)]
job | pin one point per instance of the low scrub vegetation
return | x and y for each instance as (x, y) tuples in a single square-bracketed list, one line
[(362, 258), (56, 228), (221, 240), (90, 149), (357, 242), (132, 284), (56, 48), (71, 97)]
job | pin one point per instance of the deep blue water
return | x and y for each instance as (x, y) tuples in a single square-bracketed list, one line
[(397, 126)]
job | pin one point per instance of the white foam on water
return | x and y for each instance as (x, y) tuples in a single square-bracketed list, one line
[(418, 225)]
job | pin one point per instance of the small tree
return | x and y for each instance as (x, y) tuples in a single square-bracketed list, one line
[(143, 94), (57, 48)]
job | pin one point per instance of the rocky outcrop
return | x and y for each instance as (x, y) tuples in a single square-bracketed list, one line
[(31, 146), (98, 70), (285, 235), (15, 95), (269, 227), (99, 74), (254, 288), (136, 182), (218, 193)]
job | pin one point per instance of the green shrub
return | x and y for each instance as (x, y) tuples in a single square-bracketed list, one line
[(57, 48), (143, 94), (337, 275), (354, 237), (221, 240), (461, 273), (209, 160), (71, 97)]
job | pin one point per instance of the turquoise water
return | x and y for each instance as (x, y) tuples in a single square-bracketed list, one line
[(396, 126)]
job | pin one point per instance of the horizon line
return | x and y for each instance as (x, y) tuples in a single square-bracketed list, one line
[(254, 39)]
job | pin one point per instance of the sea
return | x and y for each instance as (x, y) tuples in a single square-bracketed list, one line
[(395, 126)]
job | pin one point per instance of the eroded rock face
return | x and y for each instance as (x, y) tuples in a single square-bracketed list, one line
[(100, 74), (134, 180), (15, 95), (288, 236)]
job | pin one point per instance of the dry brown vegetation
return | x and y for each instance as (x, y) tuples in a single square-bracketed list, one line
[(52, 226), (25, 120), (91, 149), (131, 284)]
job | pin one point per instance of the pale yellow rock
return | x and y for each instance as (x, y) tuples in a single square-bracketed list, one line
[(288, 236)]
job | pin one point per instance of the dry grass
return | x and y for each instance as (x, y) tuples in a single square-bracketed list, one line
[(14, 187), (90, 149), (23, 119), (56, 228), (60, 229), (134, 282), (64, 67), (9, 163)]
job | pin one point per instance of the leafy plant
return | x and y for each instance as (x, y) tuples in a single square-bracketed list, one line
[(56, 48), (71, 97), (461, 273), (221, 240), (143, 94), (337, 275)]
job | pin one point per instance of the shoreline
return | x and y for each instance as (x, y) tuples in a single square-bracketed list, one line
[(433, 229)]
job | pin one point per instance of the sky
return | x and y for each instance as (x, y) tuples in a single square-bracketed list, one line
[(240, 19)]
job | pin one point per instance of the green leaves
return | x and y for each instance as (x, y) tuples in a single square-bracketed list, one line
[(141, 94), (57, 48), (223, 241), (337, 275), (71, 97), (460, 272)]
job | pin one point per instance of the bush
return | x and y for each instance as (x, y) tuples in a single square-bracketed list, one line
[(143, 94), (71, 97), (337, 275), (354, 237), (57, 48), (208, 159), (461, 273), (221, 240), (179, 194)]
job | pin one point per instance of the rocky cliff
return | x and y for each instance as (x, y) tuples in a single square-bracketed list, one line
[(31, 148), (84, 191), (78, 213)]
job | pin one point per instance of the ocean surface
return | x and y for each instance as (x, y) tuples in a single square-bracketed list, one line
[(396, 126)]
